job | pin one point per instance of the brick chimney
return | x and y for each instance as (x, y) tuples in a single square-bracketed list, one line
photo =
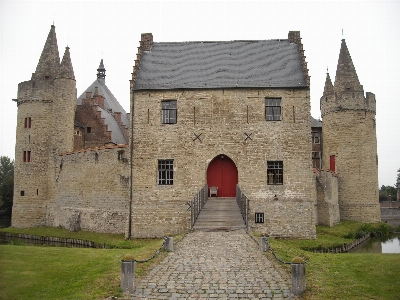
[(146, 41)]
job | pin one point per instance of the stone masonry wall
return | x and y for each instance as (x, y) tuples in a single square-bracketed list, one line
[(222, 118), (327, 198), (91, 190)]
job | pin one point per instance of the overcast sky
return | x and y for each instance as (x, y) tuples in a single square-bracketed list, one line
[(111, 30)]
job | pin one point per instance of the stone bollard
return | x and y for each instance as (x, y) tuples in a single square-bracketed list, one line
[(128, 269), (298, 270), (264, 244), (169, 243)]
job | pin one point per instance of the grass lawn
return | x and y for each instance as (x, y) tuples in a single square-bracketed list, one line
[(35, 272), (343, 276)]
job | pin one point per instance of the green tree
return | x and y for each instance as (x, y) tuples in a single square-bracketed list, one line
[(6, 186), (387, 193)]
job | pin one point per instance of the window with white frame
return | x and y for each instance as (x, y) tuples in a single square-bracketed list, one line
[(165, 171), (169, 112), (273, 109), (315, 137)]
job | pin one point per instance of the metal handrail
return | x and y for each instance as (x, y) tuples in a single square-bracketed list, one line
[(243, 203), (197, 203)]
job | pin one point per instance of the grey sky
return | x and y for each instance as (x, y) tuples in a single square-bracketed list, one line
[(111, 30)]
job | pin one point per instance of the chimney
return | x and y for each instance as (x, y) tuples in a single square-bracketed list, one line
[(146, 41), (294, 37)]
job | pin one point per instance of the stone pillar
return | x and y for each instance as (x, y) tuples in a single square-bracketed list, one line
[(298, 270), (128, 269), (169, 243), (264, 244)]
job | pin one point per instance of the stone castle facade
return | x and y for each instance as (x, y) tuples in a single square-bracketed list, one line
[(216, 113)]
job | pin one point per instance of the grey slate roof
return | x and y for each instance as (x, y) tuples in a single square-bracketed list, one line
[(111, 105), (315, 122), (268, 63)]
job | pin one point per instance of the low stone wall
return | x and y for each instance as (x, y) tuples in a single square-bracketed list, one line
[(91, 191), (390, 215)]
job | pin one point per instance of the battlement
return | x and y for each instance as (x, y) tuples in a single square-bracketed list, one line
[(348, 101)]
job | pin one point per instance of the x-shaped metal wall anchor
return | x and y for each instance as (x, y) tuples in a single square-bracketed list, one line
[(197, 137), (248, 136)]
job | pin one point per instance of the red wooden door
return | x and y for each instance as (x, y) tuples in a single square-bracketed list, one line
[(222, 172), (332, 163)]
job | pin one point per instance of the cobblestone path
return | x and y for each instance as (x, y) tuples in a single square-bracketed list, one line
[(214, 265)]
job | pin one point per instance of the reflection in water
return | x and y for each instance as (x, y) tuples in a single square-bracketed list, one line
[(391, 246), (379, 245)]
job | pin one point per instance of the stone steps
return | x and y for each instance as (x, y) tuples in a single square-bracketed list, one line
[(220, 214)]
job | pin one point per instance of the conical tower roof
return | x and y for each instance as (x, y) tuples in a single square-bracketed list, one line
[(346, 76), (66, 69), (328, 89), (49, 62)]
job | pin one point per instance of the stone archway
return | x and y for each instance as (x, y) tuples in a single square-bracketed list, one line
[(222, 172)]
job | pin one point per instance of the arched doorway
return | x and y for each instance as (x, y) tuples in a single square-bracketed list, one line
[(222, 172)]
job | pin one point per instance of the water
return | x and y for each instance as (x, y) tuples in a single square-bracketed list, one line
[(389, 244)]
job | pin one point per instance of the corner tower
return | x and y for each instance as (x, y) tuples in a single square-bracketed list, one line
[(350, 150), (45, 109)]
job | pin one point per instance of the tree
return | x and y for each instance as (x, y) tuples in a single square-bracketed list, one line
[(387, 193), (6, 186)]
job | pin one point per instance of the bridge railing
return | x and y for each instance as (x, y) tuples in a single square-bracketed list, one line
[(197, 203), (243, 203)]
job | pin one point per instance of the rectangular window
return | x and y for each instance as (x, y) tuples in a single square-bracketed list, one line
[(316, 154), (315, 137), (28, 122), (259, 217), (166, 172), (22, 193), (273, 109), (169, 112), (316, 158), (88, 129), (275, 172), (27, 156)]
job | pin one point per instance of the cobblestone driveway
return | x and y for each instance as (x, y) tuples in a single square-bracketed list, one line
[(214, 265)]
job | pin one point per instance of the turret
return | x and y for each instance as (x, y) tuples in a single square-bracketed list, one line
[(44, 128), (349, 147), (347, 92), (64, 106)]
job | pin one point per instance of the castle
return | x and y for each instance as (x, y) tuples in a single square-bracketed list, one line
[(221, 114)]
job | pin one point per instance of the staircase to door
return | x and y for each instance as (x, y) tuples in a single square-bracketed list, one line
[(220, 214)]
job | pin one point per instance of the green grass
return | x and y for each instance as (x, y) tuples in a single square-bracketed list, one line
[(343, 276), (32, 272), (35, 272), (113, 240)]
